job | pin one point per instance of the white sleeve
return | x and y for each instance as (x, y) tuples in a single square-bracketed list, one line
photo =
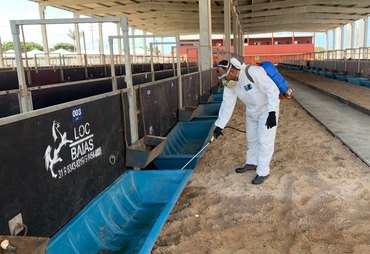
[(227, 107), (268, 87)]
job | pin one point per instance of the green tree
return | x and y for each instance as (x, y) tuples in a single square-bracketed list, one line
[(7, 45), (33, 45), (72, 34), (319, 49), (63, 45), (29, 46)]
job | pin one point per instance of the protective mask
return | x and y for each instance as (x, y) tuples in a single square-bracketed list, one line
[(231, 84), (224, 82)]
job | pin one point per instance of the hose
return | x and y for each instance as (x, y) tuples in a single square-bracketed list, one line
[(230, 127)]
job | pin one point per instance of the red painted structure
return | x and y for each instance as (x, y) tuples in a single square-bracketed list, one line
[(261, 49)]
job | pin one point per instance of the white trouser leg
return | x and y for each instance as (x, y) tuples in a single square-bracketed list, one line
[(252, 141), (266, 143)]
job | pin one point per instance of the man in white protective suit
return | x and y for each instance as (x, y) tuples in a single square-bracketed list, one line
[(261, 97)]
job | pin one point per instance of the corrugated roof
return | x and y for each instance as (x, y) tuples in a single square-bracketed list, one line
[(256, 16)]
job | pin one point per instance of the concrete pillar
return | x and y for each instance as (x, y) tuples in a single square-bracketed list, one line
[(272, 38), (144, 46), (162, 45), (236, 36), (77, 34), (131, 94), (133, 43), (1, 55), (334, 38), (240, 40), (314, 39), (77, 38), (101, 40), (119, 40), (178, 66), (366, 27), (327, 40), (342, 37), (348, 37), (359, 33), (101, 43), (242, 44), (338, 42), (205, 28), (235, 26), (44, 35), (227, 28), (353, 36)]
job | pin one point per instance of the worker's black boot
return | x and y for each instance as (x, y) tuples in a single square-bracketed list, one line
[(247, 167), (259, 179)]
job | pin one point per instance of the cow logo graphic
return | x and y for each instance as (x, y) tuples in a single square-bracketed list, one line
[(52, 153)]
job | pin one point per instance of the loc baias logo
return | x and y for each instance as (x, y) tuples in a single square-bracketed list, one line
[(81, 149), (83, 141)]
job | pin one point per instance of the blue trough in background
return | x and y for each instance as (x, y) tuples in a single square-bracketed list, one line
[(216, 97), (207, 111), (183, 142)]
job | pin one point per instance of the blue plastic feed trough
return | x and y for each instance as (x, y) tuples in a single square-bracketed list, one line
[(216, 97), (355, 80), (329, 74), (183, 142), (207, 111), (126, 217), (340, 77), (322, 73), (365, 83), (204, 98), (220, 90), (187, 113)]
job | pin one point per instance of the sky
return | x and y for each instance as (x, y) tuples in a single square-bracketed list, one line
[(24, 9), (56, 33)]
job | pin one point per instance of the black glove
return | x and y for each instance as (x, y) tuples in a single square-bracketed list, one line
[(217, 132), (271, 120)]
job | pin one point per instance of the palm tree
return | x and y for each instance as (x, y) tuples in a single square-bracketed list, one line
[(72, 34)]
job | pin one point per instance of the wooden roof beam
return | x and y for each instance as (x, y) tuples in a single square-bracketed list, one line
[(161, 14), (146, 6), (71, 2)]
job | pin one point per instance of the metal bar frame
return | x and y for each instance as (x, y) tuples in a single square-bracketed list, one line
[(43, 111), (192, 45), (24, 95), (197, 47), (178, 64)]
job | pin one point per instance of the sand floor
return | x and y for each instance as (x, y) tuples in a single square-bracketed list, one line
[(316, 200)]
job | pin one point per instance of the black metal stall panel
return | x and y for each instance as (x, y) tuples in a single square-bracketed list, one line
[(9, 105), (8, 80), (53, 164), (190, 84), (159, 106)]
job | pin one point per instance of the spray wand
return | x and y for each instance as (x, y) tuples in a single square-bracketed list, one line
[(204, 147)]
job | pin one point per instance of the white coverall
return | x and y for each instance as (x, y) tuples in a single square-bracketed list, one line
[(260, 98)]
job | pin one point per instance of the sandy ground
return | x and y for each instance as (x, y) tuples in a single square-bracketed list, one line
[(316, 200)]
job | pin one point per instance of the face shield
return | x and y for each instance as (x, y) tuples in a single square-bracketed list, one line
[(223, 77)]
